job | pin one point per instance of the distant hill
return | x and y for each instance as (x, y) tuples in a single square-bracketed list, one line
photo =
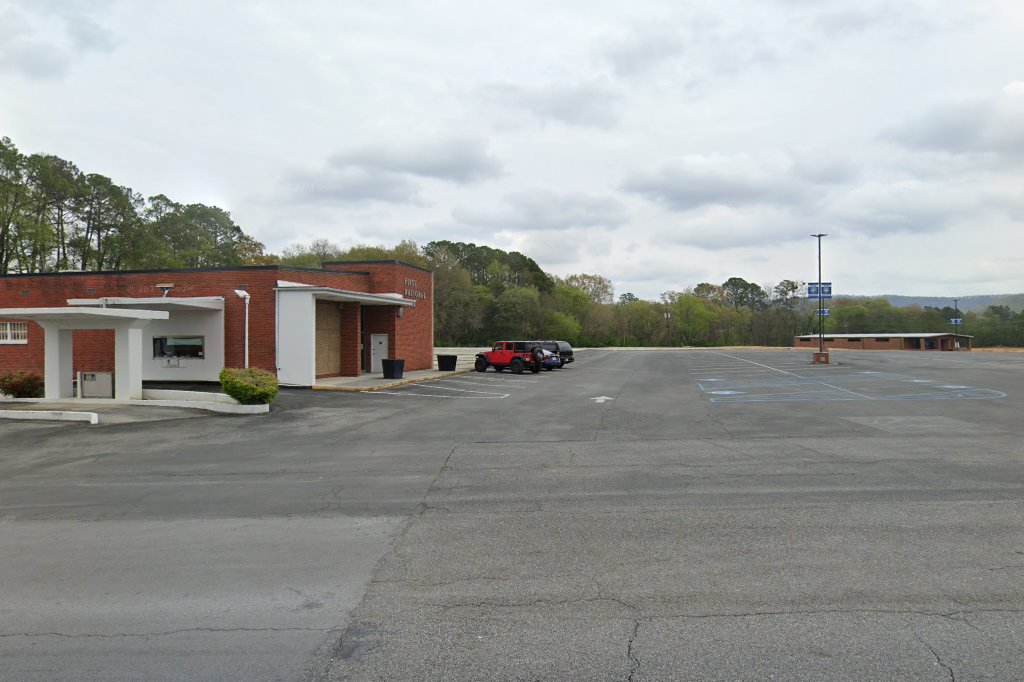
[(966, 304)]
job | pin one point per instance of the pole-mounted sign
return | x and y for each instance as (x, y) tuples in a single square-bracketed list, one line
[(825, 291)]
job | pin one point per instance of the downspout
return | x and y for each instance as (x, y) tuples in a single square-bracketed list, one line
[(277, 331), (244, 295)]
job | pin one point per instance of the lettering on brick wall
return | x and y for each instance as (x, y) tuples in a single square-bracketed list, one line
[(411, 291)]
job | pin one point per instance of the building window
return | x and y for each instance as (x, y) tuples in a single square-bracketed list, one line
[(855, 340), (13, 332), (178, 346), (882, 339)]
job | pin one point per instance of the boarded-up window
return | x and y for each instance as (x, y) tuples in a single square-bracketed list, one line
[(328, 338)]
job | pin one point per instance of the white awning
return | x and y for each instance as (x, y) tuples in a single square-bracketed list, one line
[(85, 315), (331, 294), (154, 302)]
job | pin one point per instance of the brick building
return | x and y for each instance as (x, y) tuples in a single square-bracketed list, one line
[(301, 323), (915, 341)]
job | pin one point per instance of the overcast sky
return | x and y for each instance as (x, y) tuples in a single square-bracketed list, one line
[(660, 144)]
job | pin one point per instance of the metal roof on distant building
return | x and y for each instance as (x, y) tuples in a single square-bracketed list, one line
[(887, 335)]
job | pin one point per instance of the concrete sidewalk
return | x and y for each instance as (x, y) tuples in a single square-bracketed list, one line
[(377, 382)]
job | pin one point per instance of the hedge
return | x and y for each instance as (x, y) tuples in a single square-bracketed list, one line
[(22, 385), (249, 386)]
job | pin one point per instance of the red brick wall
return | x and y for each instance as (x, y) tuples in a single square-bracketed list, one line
[(411, 336), (94, 349), (350, 339), (870, 343)]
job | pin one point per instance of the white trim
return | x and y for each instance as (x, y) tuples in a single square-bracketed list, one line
[(154, 302), (82, 314), (332, 294), (13, 333), (884, 335)]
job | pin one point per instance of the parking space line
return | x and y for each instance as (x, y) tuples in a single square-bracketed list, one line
[(735, 384), (490, 380), (496, 396), (461, 390), (838, 388)]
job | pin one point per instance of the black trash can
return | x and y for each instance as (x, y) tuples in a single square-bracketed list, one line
[(446, 363), (393, 369)]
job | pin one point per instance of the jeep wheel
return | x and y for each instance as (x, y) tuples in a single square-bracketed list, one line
[(535, 368), (517, 365), (480, 365)]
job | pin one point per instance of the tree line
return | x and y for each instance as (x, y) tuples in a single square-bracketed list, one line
[(54, 217)]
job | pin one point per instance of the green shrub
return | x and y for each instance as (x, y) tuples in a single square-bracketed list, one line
[(22, 385), (249, 386)]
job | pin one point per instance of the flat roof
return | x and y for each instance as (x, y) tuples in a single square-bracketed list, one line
[(82, 314), (154, 302), (222, 268), (887, 335)]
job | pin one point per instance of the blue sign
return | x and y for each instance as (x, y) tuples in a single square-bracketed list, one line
[(823, 312), (956, 320), (826, 290)]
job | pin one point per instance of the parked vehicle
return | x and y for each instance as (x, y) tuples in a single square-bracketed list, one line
[(516, 355), (551, 360), (561, 348)]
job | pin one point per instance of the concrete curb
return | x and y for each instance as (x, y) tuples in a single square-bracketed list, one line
[(208, 405), (225, 408), (382, 387), (51, 415)]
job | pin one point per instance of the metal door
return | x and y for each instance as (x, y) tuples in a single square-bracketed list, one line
[(378, 351)]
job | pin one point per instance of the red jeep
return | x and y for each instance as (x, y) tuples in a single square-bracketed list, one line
[(516, 355)]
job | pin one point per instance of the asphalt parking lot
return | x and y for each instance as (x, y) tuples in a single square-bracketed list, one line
[(638, 515)]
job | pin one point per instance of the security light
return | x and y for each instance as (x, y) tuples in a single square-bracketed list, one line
[(241, 293)]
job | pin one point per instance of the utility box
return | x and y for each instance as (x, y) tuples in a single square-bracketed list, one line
[(96, 384)]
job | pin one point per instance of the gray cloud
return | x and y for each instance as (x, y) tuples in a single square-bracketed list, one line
[(541, 210), (719, 227), (642, 51), (387, 173), (901, 207), (990, 125), (821, 167), (701, 181), (43, 39), (460, 160), (349, 185), (585, 104)]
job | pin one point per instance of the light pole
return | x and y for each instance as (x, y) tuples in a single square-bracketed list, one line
[(668, 325), (821, 318), (956, 325)]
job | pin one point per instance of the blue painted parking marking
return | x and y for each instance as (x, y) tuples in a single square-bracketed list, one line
[(764, 383)]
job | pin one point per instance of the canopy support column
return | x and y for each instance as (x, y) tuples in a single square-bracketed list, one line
[(58, 361)]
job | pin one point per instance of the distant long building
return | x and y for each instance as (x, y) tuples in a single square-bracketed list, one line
[(883, 341)]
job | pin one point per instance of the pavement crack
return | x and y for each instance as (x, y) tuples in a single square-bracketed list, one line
[(938, 659), (631, 654), (535, 603)]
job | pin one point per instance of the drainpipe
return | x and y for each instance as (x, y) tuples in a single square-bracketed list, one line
[(244, 295)]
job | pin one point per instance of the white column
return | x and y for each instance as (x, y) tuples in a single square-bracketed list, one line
[(296, 338), (128, 362), (58, 362)]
